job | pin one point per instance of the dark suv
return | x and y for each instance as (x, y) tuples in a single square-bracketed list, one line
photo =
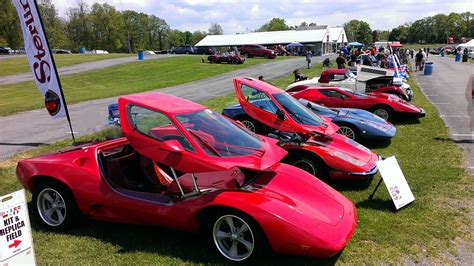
[(257, 50), (205, 50), (185, 49), (6, 50)]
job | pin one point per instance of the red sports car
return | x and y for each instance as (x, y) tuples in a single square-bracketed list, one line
[(182, 166), (226, 58), (311, 140), (384, 105)]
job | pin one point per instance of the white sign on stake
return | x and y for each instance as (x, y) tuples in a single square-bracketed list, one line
[(16, 243), (395, 182)]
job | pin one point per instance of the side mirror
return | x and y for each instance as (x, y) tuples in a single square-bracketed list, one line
[(172, 146), (280, 114)]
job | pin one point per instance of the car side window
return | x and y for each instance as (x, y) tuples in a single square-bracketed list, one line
[(157, 126), (332, 94), (258, 99)]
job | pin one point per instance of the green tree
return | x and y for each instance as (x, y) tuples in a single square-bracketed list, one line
[(215, 29), (10, 29), (175, 38), (78, 27), (197, 37), (53, 24), (358, 30), (106, 28), (275, 24), (399, 34)]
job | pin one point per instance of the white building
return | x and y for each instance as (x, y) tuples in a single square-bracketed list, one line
[(324, 39)]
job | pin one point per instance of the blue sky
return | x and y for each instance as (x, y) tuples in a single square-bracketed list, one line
[(241, 16)]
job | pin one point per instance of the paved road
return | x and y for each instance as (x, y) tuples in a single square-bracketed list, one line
[(446, 90), (29, 129), (78, 68)]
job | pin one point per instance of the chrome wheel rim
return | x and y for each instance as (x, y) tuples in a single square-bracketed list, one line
[(233, 238), (306, 165), (249, 125), (381, 113), (347, 131), (51, 207)]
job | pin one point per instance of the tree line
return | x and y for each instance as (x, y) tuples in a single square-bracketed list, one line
[(100, 26)]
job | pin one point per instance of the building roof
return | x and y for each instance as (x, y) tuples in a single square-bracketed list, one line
[(269, 37), (337, 34)]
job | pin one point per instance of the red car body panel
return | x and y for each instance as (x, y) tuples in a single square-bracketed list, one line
[(341, 169), (298, 213), (220, 58), (257, 50), (352, 101)]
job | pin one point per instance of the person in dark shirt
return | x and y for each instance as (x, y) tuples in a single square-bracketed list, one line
[(340, 61), (419, 61)]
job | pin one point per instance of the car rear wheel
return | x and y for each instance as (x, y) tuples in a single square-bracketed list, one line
[(237, 236), (383, 112), (266, 56), (309, 164), (234, 62), (214, 61), (54, 205), (348, 131)]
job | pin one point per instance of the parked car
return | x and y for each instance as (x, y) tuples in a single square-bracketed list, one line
[(226, 58), (182, 166), (356, 124), (208, 50), (368, 79), (185, 49), (60, 51), (6, 50), (257, 50), (311, 140), (386, 106)]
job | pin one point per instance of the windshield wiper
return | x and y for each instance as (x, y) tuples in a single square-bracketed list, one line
[(195, 134)]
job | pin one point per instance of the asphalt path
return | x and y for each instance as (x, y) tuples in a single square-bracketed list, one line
[(446, 89), (83, 67), (30, 129)]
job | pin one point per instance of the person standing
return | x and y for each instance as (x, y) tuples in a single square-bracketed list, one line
[(425, 58), (418, 61), (412, 53), (340, 61), (309, 55)]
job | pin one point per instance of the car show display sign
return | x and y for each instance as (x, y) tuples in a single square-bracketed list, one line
[(16, 243), (395, 182)]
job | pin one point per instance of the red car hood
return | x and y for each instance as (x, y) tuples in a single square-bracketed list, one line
[(307, 196)]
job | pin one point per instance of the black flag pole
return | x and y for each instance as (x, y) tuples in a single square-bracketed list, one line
[(56, 72)]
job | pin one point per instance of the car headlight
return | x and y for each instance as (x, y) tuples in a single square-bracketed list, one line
[(346, 158)]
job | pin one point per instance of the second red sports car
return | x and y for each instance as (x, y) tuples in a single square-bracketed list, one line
[(384, 105)]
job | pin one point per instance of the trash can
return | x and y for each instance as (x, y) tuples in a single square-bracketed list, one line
[(141, 55), (428, 69), (441, 53), (82, 50), (457, 58), (464, 57)]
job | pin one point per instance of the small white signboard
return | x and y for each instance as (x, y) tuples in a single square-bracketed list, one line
[(395, 182), (16, 243)]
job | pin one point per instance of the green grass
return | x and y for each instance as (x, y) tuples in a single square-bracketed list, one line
[(17, 65), (426, 230), (417, 46), (113, 81)]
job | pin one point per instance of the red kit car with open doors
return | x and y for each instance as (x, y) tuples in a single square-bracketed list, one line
[(182, 166)]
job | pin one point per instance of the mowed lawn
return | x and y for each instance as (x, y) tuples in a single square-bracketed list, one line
[(17, 65), (119, 80), (425, 231)]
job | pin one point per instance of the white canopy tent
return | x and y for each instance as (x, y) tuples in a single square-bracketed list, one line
[(469, 44)]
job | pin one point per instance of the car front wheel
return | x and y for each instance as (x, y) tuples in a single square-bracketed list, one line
[(348, 131), (383, 112), (54, 205), (237, 236)]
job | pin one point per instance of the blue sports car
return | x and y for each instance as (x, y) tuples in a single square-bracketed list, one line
[(356, 124)]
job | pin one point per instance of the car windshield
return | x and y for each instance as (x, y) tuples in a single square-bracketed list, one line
[(218, 136), (297, 111), (350, 74)]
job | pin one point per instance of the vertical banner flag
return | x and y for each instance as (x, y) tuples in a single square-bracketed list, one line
[(39, 57)]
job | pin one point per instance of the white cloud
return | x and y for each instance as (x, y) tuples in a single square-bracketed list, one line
[(239, 16)]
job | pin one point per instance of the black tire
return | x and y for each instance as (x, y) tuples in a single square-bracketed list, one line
[(234, 62), (64, 205), (310, 164), (250, 124), (266, 56), (214, 61), (223, 242), (247, 55), (383, 111), (349, 131)]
